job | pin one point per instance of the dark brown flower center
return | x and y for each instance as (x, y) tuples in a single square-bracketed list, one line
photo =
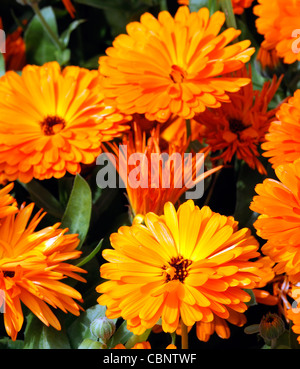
[(9, 274), (52, 124), (177, 269), (177, 74), (236, 125)]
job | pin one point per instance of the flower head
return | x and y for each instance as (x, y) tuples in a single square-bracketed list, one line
[(279, 222), (238, 128), (162, 174), (283, 138), (240, 5), (32, 267), (15, 55), (190, 264), (174, 65), (276, 22), (51, 121)]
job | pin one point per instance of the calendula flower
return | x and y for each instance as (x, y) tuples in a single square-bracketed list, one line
[(8, 204), (33, 265), (14, 56), (238, 128), (189, 264), (70, 7), (283, 138), (277, 21), (51, 121), (278, 223), (174, 65), (239, 6), (157, 182)]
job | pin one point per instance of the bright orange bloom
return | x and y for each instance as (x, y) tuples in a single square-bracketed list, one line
[(70, 7), (238, 128), (174, 65), (279, 222), (283, 139), (191, 264), (240, 5), (158, 183), (51, 121), (183, 2), (14, 56), (276, 22), (8, 204), (32, 267)]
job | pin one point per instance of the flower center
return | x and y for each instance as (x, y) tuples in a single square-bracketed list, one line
[(236, 125), (9, 274), (177, 269), (52, 124), (177, 74)]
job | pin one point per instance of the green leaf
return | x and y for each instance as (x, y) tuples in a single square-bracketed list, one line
[(86, 259), (43, 198), (252, 302), (39, 336), (65, 36), (2, 65), (122, 335), (39, 46), (79, 330), (78, 212)]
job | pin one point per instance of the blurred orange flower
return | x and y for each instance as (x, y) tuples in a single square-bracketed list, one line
[(268, 59), (190, 264), (15, 56), (279, 222), (238, 128), (32, 267), (240, 5), (276, 22), (51, 121), (174, 65), (283, 138)]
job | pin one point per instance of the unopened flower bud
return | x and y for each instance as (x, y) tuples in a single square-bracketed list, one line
[(271, 326), (103, 328)]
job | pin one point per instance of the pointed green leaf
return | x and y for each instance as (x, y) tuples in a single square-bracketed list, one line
[(86, 259), (78, 212)]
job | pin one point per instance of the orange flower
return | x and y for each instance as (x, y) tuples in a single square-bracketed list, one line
[(294, 316), (240, 5), (177, 174), (276, 22), (174, 65), (238, 128), (8, 204), (32, 265), (191, 264), (52, 120), (279, 222), (283, 139), (70, 7), (15, 57)]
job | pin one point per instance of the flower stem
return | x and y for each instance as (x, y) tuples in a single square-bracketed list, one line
[(46, 26), (226, 6), (163, 5), (184, 336)]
